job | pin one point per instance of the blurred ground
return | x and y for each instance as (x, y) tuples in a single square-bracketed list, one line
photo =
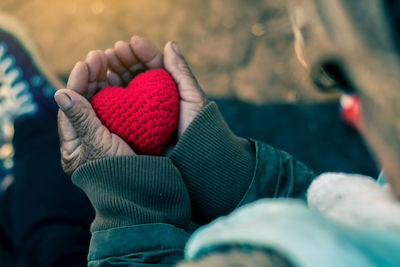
[(237, 48)]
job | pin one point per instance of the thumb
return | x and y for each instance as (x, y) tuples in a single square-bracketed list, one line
[(79, 113), (176, 65)]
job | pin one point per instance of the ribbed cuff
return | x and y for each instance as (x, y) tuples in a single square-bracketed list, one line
[(216, 165), (132, 190), (161, 243)]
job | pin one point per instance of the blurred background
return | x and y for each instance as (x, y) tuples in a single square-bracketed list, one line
[(240, 50), (237, 48)]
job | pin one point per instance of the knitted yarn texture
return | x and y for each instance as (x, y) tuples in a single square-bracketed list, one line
[(144, 114)]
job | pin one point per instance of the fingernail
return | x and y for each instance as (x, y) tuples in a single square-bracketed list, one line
[(176, 49), (63, 100)]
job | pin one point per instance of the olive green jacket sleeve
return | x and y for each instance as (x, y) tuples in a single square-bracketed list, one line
[(142, 203), (222, 171), (142, 211)]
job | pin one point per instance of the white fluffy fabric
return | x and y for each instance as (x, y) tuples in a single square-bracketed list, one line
[(355, 200)]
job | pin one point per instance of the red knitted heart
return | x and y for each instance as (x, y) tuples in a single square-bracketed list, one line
[(144, 114)]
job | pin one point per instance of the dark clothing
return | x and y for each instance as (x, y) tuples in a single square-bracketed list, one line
[(44, 216), (143, 204), (219, 172)]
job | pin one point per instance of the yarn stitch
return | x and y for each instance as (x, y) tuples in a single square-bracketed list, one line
[(144, 114)]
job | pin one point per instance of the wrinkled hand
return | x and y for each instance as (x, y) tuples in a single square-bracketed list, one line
[(82, 135), (192, 98)]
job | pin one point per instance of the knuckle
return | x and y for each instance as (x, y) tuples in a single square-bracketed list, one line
[(70, 160)]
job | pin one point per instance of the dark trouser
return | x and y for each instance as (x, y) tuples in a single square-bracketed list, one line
[(43, 215)]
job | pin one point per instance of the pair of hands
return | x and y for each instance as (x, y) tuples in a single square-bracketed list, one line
[(83, 137)]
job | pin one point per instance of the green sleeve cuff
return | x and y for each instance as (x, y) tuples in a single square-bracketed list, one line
[(132, 190), (138, 245), (216, 165)]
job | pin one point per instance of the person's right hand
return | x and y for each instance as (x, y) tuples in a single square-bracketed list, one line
[(192, 98), (82, 135)]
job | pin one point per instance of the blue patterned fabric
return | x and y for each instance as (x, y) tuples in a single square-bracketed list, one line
[(24, 89)]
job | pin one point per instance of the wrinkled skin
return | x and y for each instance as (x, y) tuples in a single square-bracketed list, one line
[(83, 138)]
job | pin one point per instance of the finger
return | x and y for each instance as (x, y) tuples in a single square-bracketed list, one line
[(69, 142), (93, 62), (103, 71), (176, 65), (80, 114), (78, 79), (66, 132), (192, 98), (94, 65), (116, 66), (113, 62), (146, 52), (127, 57), (97, 66), (114, 79), (125, 54)]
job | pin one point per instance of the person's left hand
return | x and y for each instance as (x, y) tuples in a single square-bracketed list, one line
[(83, 137)]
